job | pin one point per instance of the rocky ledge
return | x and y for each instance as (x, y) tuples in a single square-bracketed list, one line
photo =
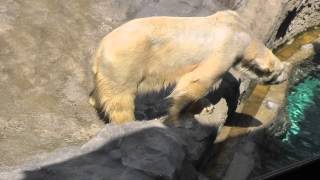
[(45, 80), (141, 150)]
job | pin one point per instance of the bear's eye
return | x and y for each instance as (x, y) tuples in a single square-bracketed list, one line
[(238, 60), (257, 69), (261, 71)]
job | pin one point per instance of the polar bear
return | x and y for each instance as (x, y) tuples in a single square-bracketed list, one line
[(149, 54)]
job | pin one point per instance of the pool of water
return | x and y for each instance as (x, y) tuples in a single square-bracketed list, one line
[(295, 135), (304, 105)]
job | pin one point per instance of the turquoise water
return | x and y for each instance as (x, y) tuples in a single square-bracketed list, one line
[(303, 103), (295, 136)]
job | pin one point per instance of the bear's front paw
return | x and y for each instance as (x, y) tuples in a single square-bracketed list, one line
[(173, 121)]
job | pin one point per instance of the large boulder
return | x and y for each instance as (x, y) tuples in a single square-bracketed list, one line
[(139, 150)]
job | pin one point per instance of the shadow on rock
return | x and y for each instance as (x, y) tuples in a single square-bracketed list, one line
[(229, 89), (144, 150), (155, 104), (139, 150), (242, 120), (147, 149)]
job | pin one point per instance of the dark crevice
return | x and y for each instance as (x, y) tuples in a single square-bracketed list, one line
[(286, 22)]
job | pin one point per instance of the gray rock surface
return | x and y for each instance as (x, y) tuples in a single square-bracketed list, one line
[(45, 68), (139, 150), (45, 83), (45, 80), (300, 16), (274, 22)]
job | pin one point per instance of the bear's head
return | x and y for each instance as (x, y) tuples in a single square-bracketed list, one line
[(261, 64)]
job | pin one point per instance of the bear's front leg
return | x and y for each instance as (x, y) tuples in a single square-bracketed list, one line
[(189, 88), (196, 84)]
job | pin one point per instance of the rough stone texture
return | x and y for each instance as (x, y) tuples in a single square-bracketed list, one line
[(139, 150), (231, 159), (45, 49), (45, 68), (276, 22), (45, 80), (300, 16)]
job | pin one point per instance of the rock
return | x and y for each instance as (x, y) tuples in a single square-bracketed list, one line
[(290, 41), (153, 151), (307, 47), (45, 68), (271, 105), (298, 17), (45, 80), (278, 22), (138, 150)]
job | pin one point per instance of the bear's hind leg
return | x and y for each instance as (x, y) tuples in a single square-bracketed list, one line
[(113, 103), (120, 108)]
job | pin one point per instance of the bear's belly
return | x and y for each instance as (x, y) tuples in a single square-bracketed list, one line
[(159, 80)]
